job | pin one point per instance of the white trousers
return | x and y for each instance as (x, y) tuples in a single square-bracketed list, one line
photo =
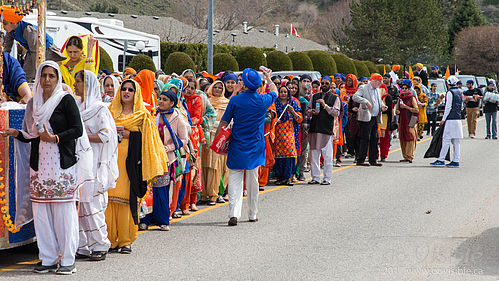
[(93, 228), (56, 229), (236, 178), (327, 154), (456, 144)]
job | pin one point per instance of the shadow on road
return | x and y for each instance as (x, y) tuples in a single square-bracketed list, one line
[(480, 253), (217, 224)]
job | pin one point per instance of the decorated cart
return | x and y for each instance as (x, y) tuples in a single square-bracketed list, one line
[(16, 216), (16, 224)]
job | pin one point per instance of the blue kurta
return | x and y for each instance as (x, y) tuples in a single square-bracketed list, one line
[(13, 76), (247, 143)]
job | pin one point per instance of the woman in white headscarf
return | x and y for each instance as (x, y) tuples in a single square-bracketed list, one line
[(59, 166), (110, 86), (101, 130)]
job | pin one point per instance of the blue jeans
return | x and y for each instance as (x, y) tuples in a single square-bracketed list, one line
[(492, 116)]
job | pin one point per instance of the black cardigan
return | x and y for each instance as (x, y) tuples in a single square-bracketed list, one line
[(323, 122), (66, 124), (138, 187)]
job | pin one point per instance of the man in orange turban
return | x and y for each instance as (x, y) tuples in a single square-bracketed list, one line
[(26, 34), (393, 73), (421, 72)]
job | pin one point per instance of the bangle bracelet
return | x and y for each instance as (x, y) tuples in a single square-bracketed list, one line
[(56, 139)]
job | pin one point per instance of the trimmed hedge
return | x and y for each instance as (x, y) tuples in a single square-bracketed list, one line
[(362, 70), (105, 61), (279, 61), (223, 62), (251, 57), (140, 62), (323, 62), (178, 62), (301, 61), (344, 64), (370, 65)]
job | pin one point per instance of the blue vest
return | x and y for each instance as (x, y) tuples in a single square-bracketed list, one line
[(457, 103), (18, 34)]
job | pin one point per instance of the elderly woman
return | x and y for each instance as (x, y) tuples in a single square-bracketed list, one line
[(141, 157), (407, 108), (101, 131), (54, 127), (173, 132)]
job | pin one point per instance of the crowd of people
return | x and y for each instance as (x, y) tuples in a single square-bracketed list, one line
[(114, 153)]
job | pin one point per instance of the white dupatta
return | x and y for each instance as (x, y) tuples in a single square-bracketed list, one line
[(98, 120), (39, 112)]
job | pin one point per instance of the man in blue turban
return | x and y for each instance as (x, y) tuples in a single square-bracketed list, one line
[(247, 143)]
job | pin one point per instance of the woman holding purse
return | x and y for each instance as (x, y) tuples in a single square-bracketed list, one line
[(407, 109)]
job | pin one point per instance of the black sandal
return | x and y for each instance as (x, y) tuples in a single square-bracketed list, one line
[(126, 250), (176, 215), (97, 256), (81, 257)]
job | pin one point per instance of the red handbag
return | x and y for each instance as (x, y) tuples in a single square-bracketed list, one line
[(221, 141)]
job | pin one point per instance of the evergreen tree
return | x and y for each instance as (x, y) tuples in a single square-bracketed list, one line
[(395, 31), (466, 14)]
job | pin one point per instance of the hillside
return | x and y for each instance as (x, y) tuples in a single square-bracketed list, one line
[(314, 19)]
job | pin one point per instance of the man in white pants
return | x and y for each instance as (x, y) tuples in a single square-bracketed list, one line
[(453, 130), (324, 108), (247, 144)]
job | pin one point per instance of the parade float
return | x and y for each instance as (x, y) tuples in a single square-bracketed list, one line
[(16, 223)]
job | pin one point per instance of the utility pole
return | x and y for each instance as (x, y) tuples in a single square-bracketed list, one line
[(210, 36)]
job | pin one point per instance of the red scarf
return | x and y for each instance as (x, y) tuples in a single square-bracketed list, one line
[(405, 118)]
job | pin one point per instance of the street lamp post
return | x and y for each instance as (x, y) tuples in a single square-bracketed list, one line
[(210, 36)]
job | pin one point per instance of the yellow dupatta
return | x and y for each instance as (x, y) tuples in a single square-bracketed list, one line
[(154, 159), (93, 66)]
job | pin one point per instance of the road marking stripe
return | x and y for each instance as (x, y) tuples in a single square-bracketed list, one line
[(193, 214)]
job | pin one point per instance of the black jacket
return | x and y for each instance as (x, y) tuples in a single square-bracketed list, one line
[(66, 124), (323, 122), (138, 187)]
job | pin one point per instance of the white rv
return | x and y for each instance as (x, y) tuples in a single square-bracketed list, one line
[(119, 42)]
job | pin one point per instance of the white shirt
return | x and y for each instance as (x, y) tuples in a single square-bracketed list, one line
[(374, 96)]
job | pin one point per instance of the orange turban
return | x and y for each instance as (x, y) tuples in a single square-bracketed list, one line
[(129, 70), (376, 76), (396, 67), (12, 14), (420, 65)]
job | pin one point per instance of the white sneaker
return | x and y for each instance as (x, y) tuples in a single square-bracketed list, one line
[(472, 136)]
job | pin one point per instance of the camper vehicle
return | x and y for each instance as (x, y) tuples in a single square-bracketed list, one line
[(120, 43)]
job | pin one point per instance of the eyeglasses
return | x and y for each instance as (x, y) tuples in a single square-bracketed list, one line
[(131, 90)]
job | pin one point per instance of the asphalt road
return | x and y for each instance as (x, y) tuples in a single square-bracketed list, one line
[(396, 222)]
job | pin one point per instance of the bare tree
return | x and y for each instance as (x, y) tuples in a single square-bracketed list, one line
[(476, 51), (329, 24)]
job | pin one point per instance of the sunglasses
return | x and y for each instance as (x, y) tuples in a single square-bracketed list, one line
[(131, 90), (325, 84), (404, 88)]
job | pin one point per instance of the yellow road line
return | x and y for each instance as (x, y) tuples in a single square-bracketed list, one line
[(193, 214)]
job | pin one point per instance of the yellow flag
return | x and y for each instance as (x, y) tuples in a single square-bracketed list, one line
[(411, 74), (384, 69), (447, 73)]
